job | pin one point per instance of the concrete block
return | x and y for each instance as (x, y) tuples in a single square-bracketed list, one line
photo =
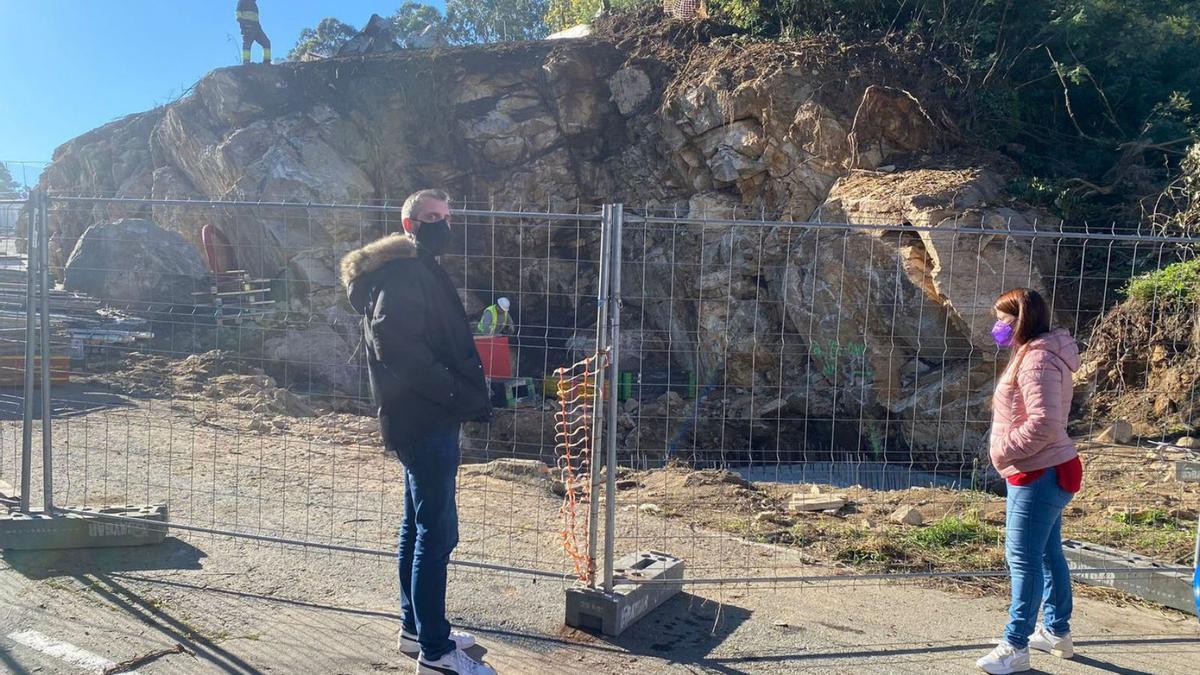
[(1138, 575), (612, 613), (37, 530), (1187, 471)]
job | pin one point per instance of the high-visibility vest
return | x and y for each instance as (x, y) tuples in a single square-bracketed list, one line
[(489, 323), (247, 10)]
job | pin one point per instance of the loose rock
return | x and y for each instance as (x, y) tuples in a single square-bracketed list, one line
[(801, 503), (907, 515), (1120, 432), (650, 509)]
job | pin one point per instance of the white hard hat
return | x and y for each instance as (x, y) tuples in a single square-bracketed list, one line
[(503, 302)]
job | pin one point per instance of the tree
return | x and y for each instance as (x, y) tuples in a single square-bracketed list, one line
[(487, 21), (563, 14), (322, 41), (414, 17), (9, 187), (465, 22)]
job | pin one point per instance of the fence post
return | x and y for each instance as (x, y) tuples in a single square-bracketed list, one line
[(44, 269), (597, 405), (616, 213), (31, 263)]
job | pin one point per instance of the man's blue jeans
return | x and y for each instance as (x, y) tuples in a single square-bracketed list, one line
[(428, 533), (1033, 547)]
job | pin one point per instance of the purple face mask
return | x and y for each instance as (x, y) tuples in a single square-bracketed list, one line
[(1002, 333)]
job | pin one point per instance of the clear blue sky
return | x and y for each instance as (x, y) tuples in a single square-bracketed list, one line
[(72, 65)]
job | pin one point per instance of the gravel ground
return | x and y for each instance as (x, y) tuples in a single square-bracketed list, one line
[(240, 606)]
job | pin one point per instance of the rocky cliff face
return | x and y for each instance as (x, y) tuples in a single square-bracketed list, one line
[(882, 334)]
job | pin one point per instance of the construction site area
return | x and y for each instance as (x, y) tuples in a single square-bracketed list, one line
[(260, 508), (733, 301)]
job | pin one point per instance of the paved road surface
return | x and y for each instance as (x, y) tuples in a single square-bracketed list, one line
[(245, 608)]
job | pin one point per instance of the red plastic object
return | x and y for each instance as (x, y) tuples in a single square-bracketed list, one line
[(221, 256), (493, 351)]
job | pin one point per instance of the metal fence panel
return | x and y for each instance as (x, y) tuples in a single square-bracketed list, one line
[(845, 368), (215, 366), (204, 356)]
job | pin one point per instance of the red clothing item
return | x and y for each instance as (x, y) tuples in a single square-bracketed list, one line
[(1070, 475)]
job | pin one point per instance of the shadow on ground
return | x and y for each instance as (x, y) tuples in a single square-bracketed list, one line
[(171, 554), (688, 629), (101, 570), (684, 630)]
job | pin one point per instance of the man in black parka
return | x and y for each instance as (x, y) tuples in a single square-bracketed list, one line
[(426, 380)]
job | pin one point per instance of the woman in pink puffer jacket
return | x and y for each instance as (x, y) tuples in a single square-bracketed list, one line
[(1031, 449)]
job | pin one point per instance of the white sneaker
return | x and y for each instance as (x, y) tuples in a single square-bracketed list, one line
[(411, 648), (456, 662), (1045, 641), (1005, 659)]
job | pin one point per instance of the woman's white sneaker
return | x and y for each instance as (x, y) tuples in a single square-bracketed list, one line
[(1045, 641), (1005, 659), (411, 648), (456, 662)]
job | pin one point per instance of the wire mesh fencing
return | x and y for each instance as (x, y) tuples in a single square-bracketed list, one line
[(206, 358), (773, 402), (14, 226), (796, 398)]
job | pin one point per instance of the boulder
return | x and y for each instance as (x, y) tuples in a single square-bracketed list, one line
[(317, 356), (1119, 432), (137, 264), (430, 37), (960, 257), (375, 38), (891, 121), (573, 33), (527, 471), (630, 88), (521, 433)]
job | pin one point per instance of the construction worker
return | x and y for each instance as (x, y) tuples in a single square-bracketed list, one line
[(495, 319), (247, 18)]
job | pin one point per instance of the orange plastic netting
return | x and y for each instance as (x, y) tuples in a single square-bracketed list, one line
[(573, 424)]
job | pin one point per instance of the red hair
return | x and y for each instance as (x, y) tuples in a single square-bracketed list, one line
[(1033, 315)]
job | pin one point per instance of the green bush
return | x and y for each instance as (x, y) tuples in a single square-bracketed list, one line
[(1178, 283)]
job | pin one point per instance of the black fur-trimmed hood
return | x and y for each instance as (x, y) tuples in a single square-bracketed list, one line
[(362, 262), (377, 254)]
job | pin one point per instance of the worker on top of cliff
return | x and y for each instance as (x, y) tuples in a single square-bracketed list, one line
[(247, 18), (495, 319)]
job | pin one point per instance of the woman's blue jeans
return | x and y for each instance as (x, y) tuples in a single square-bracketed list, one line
[(428, 533), (1033, 547)]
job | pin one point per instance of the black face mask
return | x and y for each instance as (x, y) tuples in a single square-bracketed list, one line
[(434, 238)]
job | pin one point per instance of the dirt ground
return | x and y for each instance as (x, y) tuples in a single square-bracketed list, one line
[(248, 448), (1130, 501), (231, 605)]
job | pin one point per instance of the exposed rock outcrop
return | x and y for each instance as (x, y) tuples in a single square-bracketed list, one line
[(881, 333)]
